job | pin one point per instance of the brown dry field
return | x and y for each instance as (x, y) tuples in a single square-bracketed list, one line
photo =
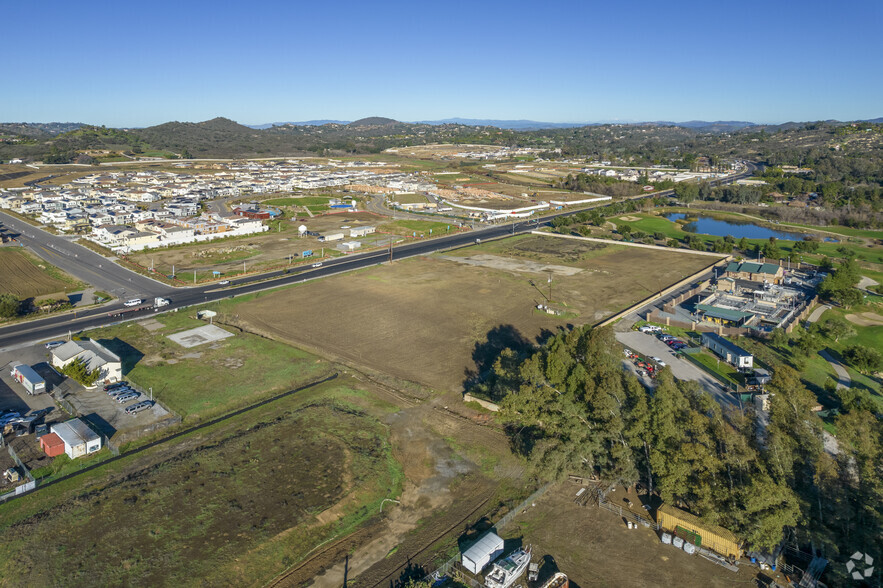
[(595, 548), (422, 319), (265, 249), (21, 277)]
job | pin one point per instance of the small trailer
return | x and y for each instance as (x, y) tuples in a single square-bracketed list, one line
[(27, 377)]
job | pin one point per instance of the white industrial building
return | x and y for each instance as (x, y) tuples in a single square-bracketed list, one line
[(78, 438)]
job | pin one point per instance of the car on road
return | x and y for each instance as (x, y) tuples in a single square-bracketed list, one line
[(54, 344), (132, 302), (224, 283), (317, 264)]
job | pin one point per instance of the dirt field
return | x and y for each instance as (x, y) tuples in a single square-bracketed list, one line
[(24, 277), (262, 250), (428, 320), (594, 548)]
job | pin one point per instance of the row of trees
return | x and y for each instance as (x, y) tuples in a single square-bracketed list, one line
[(569, 408)]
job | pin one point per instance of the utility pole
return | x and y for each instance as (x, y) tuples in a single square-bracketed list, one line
[(194, 276), (550, 286)]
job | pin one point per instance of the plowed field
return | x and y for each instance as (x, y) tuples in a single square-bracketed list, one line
[(22, 277)]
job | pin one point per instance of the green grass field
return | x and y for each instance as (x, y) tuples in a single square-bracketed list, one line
[(302, 201), (210, 379)]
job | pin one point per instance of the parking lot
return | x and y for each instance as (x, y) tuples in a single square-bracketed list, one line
[(648, 345), (105, 414)]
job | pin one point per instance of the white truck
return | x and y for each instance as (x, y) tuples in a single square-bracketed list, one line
[(159, 301)]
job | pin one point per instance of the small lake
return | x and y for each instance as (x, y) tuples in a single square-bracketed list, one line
[(710, 226)]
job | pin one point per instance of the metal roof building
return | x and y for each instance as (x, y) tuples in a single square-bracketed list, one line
[(79, 439), (488, 548)]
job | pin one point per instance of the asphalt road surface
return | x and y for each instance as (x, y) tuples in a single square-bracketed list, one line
[(123, 283), (82, 263)]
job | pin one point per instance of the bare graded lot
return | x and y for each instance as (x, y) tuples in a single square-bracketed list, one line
[(595, 548), (428, 320)]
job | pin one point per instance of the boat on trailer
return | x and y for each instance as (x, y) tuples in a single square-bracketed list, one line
[(504, 572)]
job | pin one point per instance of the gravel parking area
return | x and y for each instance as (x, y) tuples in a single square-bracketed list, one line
[(648, 345)]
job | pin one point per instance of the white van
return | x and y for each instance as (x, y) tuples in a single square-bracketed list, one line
[(132, 302)]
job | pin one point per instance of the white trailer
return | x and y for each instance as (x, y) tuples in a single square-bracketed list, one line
[(27, 377)]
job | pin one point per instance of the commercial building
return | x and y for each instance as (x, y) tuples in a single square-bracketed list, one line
[(754, 271), (95, 356), (78, 438)]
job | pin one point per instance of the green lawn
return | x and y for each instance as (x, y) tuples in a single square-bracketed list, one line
[(718, 366), (301, 201), (209, 379)]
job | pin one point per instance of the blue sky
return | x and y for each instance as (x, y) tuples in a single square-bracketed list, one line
[(138, 64)]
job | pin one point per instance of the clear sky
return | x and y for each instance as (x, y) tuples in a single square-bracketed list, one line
[(143, 63)]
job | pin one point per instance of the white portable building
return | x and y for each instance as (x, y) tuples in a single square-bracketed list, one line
[(488, 548)]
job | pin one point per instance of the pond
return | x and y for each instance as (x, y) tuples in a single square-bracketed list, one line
[(710, 226)]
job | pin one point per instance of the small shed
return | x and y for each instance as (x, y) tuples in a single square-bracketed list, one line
[(52, 445), (27, 377), (488, 548), (79, 439), (691, 529)]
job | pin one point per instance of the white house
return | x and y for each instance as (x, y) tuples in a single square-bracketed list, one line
[(78, 438), (96, 356)]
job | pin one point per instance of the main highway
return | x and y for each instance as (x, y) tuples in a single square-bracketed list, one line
[(109, 276)]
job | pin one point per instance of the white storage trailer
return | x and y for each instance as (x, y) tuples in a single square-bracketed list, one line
[(27, 377), (488, 548)]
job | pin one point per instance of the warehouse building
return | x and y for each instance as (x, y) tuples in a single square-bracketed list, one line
[(691, 529), (78, 438)]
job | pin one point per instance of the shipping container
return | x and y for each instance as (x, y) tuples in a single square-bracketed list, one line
[(27, 377), (692, 530)]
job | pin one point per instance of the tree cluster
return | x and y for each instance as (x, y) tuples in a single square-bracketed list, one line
[(570, 408)]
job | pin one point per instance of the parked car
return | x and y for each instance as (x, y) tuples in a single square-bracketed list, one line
[(627, 352), (54, 344), (117, 392), (650, 329), (138, 407), (114, 386), (658, 361), (664, 337), (127, 397)]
